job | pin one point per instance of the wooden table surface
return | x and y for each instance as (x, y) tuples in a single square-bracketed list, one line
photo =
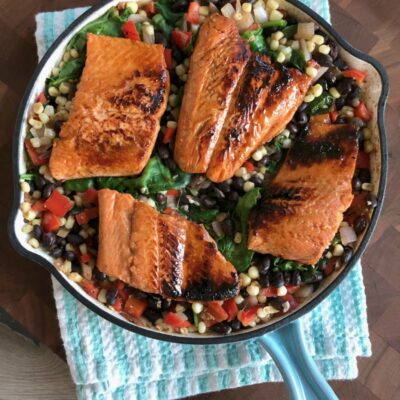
[(25, 289)]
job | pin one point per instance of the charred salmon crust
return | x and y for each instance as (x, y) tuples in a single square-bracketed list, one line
[(160, 253), (302, 209)]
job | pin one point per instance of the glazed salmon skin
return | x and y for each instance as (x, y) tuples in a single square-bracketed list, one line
[(217, 62), (157, 253), (303, 207), (115, 114)]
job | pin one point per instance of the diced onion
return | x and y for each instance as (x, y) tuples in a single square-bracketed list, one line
[(347, 235), (184, 26), (217, 228), (238, 6), (260, 13), (321, 71), (227, 10), (213, 8), (245, 22), (171, 201), (251, 301), (303, 46), (182, 316), (304, 291), (305, 30), (141, 3), (135, 18), (148, 35)]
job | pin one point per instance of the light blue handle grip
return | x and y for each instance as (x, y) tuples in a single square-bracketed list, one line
[(287, 348)]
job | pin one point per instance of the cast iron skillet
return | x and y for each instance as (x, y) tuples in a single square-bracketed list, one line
[(284, 340)]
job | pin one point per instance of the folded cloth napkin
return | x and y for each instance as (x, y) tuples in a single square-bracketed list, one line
[(109, 363)]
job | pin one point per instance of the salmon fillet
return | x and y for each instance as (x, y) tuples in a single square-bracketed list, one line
[(218, 60), (116, 111), (303, 207), (160, 253)]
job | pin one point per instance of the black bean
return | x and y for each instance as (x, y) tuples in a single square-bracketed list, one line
[(372, 201), (161, 198), (303, 107), (356, 184), (263, 162), (244, 293), (219, 194), (341, 64), (222, 328), (69, 255), (37, 232), (341, 120), (57, 126), (277, 303), (154, 302), (364, 174), (208, 202), (179, 5), (40, 182), (151, 315), (355, 92), (171, 164), (276, 156), (235, 325), (257, 180), (111, 296), (98, 275), (163, 151), (322, 264), (177, 55), (344, 86), (339, 103), (334, 48), (296, 278), (48, 239), (76, 210), (76, 266), (302, 118), (347, 254), (160, 38), (224, 187), (330, 76), (183, 200), (360, 224), (264, 281), (263, 263), (75, 228), (323, 59), (359, 123), (233, 196), (61, 242), (48, 190), (228, 227), (292, 127), (56, 252), (287, 277), (75, 239), (277, 279), (165, 304), (238, 183), (139, 294), (360, 137), (324, 84)]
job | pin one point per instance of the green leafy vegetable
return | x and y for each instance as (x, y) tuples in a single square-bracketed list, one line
[(200, 216), (238, 254), (320, 104), (27, 177), (112, 183), (79, 185), (156, 177), (256, 40), (71, 69), (289, 31), (161, 24), (286, 265), (281, 23), (164, 8), (298, 60)]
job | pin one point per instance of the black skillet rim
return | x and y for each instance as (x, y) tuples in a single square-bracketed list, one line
[(244, 335)]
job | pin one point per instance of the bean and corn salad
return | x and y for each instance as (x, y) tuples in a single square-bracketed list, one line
[(62, 217)]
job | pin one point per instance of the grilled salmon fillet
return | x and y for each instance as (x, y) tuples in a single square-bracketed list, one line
[(116, 111), (263, 104), (303, 207), (218, 60), (160, 253)]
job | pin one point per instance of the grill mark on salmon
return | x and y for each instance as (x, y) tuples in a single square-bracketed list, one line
[(302, 209), (116, 111), (160, 253)]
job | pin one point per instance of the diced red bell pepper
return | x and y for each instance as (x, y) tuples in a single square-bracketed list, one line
[(249, 166), (118, 304), (333, 116), (291, 299), (330, 266), (193, 14), (361, 111), (176, 321), (119, 285), (231, 308), (86, 215), (150, 9), (50, 223), (135, 307), (84, 258), (313, 63), (173, 192), (217, 311), (363, 160), (292, 288), (355, 74), (42, 98), (130, 32), (181, 39), (168, 58), (90, 288), (36, 157), (270, 291), (58, 204), (247, 316), (38, 206), (168, 135), (90, 196)]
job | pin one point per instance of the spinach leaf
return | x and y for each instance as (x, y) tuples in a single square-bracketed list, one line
[(320, 104), (289, 31), (79, 185), (161, 24), (286, 265), (256, 40), (298, 60), (116, 183), (156, 177), (71, 69), (164, 8), (200, 216), (238, 254)]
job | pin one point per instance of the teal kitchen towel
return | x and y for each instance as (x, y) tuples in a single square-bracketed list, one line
[(109, 363)]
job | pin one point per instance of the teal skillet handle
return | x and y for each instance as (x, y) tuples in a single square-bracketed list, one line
[(302, 377)]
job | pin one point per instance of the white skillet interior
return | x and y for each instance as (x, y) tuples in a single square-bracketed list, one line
[(372, 91)]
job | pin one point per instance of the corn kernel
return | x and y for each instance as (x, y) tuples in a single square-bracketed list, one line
[(25, 187), (338, 250), (133, 5), (245, 280), (55, 72), (275, 15), (281, 291), (37, 108), (64, 88), (318, 39), (261, 299), (237, 16), (247, 7), (66, 56), (35, 123), (253, 290), (239, 299), (310, 46), (324, 49), (367, 187), (61, 100), (172, 124), (34, 243), (27, 228), (278, 35), (75, 277), (49, 110), (74, 53), (36, 143), (295, 45), (317, 90), (272, 4), (37, 194), (257, 155), (334, 93), (202, 327), (248, 186), (102, 296), (311, 72), (237, 238), (253, 273), (204, 10), (44, 118), (197, 307), (53, 92), (281, 57), (309, 98), (274, 45)]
